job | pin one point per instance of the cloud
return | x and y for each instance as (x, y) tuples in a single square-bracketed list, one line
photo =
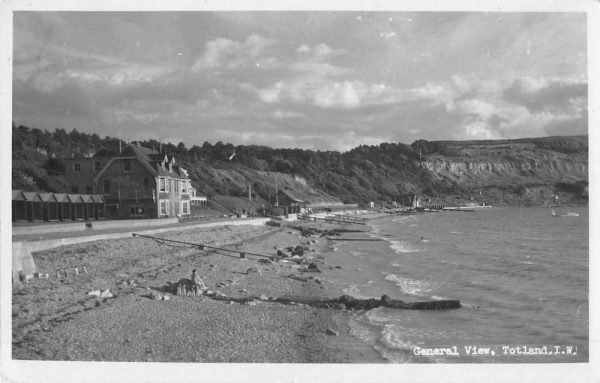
[(226, 54), (323, 93), (318, 53), (283, 114), (547, 93), (315, 61)]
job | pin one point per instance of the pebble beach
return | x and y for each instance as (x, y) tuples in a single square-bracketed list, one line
[(59, 318)]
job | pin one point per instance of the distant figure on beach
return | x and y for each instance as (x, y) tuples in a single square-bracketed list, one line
[(197, 281), (424, 240), (193, 285)]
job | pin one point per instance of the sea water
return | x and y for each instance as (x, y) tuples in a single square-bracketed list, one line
[(520, 273)]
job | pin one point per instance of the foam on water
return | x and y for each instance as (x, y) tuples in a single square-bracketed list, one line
[(354, 291), (402, 247), (409, 286)]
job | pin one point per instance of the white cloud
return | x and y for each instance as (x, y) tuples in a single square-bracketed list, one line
[(318, 53), (320, 69), (477, 107), (224, 53), (330, 94), (479, 130), (283, 114)]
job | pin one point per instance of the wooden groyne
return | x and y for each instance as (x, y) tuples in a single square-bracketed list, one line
[(343, 302)]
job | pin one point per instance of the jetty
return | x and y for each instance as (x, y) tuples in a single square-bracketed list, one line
[(334, 219)]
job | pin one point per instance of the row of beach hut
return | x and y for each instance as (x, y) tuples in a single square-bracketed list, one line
[(39, 207)]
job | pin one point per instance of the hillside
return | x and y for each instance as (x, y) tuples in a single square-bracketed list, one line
[(523, 172)]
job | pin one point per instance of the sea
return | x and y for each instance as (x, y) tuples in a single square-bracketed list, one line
[(520, 274)]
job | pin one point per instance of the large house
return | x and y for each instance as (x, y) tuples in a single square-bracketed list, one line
[(138, 183)]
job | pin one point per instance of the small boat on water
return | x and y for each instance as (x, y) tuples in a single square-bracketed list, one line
[(567, 214)]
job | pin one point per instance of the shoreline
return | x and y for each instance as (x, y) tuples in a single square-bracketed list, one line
[(55, 319)]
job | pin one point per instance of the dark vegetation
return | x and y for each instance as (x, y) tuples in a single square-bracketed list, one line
[(380, 173)]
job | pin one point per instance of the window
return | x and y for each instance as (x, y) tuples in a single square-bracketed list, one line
[(127, 165), (88, 190), (74, 189), (164, 207), (136, 210), (176, 186), (184, 208), (184, 189), (162, 184), (76, 167), (97, 166), (106, 185)]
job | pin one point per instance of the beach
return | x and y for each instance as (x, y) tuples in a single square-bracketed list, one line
[(55, 318)]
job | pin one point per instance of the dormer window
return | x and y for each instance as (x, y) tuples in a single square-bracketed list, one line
[(170, 168), (76, 167), (127, 165)]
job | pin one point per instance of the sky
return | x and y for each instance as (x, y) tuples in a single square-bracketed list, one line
[(312, 80)]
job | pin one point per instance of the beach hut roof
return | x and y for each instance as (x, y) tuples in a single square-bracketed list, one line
[(74, 197), (98, 198), (87, 198), (31, 196), (17, 195), (47, 197), (61, 197)]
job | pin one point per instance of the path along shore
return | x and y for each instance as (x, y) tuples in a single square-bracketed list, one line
[(56, 319)]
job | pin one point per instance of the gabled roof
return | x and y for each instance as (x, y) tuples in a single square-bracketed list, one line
[(74, 197), (150, 159), (87, 198), (47, 197), (31, 196), (61, 197), (17, 195), (291, 196), (98, 198)]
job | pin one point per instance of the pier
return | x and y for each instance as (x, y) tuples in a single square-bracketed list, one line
[(333, 219)]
